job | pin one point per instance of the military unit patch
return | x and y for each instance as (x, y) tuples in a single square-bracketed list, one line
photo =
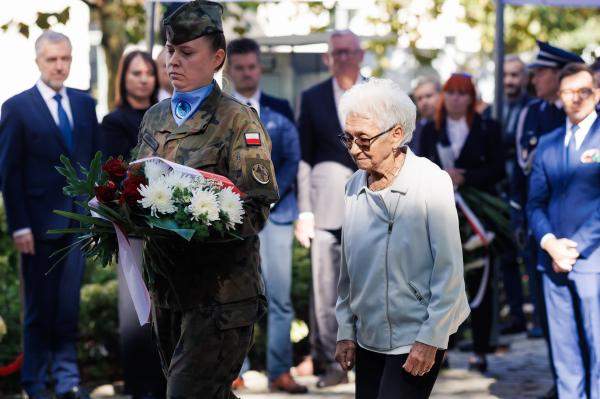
[(260, 173), (252, 139)]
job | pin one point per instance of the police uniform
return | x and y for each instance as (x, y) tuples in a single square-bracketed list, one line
[(537, 118), (206, 297)]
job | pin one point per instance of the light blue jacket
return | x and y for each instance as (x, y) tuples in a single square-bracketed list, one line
[(401, 277)]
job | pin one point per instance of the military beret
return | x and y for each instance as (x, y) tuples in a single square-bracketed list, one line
[(550, 56), (193, 20)]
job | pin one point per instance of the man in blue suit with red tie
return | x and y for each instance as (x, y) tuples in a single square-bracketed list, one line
[(564, 214), (37, 127)]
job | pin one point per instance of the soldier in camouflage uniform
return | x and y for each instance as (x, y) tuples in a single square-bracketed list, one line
[(207, 296)]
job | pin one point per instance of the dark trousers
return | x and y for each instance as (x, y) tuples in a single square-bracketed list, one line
[(325, 259), (380, 376), (511, 278), (142, 372), (51, 317), (481, 316), (202, 349)]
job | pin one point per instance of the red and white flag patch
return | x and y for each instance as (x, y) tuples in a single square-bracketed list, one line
[(252, 138)]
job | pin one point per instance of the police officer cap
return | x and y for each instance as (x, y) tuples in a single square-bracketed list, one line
[(553, 57), (193, 20)]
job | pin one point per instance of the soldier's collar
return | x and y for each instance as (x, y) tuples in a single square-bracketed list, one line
[(200, 119)]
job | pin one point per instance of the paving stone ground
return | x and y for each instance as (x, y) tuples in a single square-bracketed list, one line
[(521, 373)]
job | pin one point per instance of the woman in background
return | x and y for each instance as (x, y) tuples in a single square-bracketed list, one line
[(469, 149), (136, 91)]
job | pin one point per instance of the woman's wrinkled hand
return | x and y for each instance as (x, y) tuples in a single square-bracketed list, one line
[(345, 353), (420, 359)]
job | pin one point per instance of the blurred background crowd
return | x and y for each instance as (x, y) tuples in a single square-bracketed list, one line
[(292, 61)]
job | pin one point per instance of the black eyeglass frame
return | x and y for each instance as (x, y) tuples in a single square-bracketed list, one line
[(366, 142)]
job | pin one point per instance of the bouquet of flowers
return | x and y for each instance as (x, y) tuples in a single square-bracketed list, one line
[(132, 206)]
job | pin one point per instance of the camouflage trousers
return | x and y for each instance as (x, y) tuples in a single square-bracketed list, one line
[(202, 349)]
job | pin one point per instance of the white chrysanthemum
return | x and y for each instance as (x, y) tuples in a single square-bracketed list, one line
[(178, 180), (154, 169), (231, 204), (157, 197), (204, 203)]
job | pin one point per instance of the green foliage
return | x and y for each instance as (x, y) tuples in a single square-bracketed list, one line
[(525, 24), (77, 186), (42, 21), (10, 303), (98, 328)]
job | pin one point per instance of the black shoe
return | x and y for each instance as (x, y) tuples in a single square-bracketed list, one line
[(513, 327), (74, 393), (333, 376), (478, 363), (535, 332)]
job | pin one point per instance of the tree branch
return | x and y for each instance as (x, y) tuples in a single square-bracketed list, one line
[(91, 4)]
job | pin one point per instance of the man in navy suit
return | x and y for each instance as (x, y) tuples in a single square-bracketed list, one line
[(37, 126), (325, 167), (564, 214), (276, 238)]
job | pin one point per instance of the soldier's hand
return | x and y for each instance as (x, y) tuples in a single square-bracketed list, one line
[(25, 243), (345, 353), (305, 231)]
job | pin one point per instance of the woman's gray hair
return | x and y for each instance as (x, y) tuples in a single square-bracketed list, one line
[(384, 101), (52, 37)]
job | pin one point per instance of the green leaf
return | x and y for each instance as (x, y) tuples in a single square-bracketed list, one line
[(83, 218), (170, 225)]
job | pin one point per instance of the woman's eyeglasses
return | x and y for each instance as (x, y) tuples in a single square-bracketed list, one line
[(363, 142)]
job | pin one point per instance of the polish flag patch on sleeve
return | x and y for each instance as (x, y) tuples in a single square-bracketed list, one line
[(252, 139)]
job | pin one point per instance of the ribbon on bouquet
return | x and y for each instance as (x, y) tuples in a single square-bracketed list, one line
[(485, 237), (130, 263), (447, 159), (186, 170)]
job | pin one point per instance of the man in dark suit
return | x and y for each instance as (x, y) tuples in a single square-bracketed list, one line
[(276, 238), (564, 214), (325, 167), (37, 126), (426, 95)]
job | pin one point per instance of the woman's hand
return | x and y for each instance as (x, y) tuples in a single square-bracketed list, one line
[(345, 353), (420, 359)]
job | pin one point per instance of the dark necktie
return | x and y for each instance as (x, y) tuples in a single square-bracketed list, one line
[(572, 153), (63, 123)]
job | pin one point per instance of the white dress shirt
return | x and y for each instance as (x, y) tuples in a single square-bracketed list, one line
[(458, 131), (48, 94), (338, 92), (584, 128), (253, 101)]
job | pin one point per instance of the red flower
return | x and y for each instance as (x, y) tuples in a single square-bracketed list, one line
[(130, 194), (116, 169), (106, 193)]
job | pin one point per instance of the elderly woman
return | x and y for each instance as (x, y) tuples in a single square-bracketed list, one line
[(401, 292)]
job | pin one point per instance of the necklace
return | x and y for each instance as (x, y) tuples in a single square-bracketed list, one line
[(385, 182)]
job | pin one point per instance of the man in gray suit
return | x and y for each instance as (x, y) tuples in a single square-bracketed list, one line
[(324, 170)]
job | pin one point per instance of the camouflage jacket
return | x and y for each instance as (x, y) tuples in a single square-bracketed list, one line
[(227, 138)]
